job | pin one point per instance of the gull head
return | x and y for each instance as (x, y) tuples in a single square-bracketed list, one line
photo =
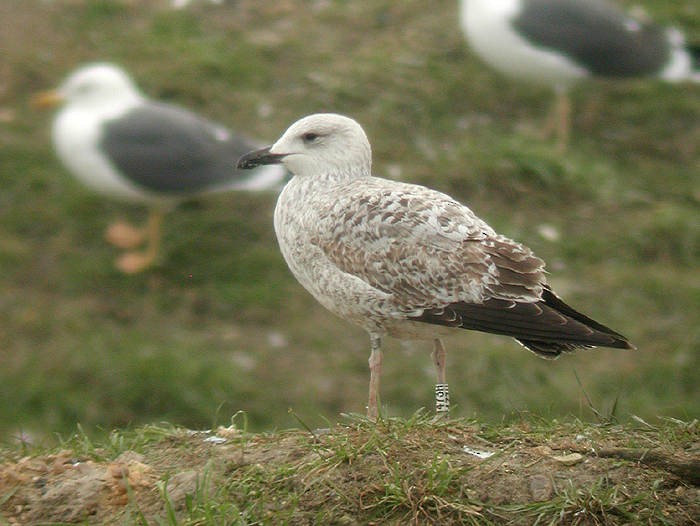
[(323, 144), (92, 85)]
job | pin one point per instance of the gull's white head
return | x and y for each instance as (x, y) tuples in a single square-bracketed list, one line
[(323, 144), (98, 84)]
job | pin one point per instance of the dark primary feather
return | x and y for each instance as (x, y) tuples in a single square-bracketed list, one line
[(548, 327), (171, 151), (598, 37)]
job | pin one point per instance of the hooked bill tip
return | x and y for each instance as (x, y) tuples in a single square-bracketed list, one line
[(259, 157)]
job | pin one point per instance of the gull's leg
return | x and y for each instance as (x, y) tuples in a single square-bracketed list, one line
[(442, 392), (375, 373), (439, 355), (134, 262)]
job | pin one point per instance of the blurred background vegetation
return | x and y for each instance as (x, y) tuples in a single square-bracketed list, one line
[(222, 326)]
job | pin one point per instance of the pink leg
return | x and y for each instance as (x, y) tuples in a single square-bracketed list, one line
[(375, 370), (439, 359)]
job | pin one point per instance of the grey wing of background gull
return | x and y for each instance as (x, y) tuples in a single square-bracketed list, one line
[(171, 151), (596, 36)]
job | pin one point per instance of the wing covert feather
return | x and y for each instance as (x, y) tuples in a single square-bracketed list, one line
[(424, 247)]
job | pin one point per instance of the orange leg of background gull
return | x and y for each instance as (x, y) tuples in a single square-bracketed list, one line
[(375, 373), (128, 237)]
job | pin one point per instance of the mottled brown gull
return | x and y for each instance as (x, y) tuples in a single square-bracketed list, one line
[(406, 261)]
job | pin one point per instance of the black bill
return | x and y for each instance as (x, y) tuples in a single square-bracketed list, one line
[(259, 157)]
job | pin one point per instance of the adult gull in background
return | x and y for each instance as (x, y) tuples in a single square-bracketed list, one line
[(406, 261), (125, 146), (560, 42)]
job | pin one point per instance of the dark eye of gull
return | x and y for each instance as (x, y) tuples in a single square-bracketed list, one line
[(310, 137)]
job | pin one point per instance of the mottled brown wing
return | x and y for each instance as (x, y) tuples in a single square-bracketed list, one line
[(424, 248)]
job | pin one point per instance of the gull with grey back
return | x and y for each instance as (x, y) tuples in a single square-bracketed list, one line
[(406, 261), (557, 43), (125, 146)]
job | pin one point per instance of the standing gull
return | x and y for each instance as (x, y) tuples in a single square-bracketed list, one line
[(125, 146), (406, 261), (557, 43)]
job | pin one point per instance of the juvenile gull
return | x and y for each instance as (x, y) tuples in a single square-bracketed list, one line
[(406, 261), (125, 146), (559, 42)]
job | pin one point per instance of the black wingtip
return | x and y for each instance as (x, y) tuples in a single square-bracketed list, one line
[(548, 328), (616, 340)]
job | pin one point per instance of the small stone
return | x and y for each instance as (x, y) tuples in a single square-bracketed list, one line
[(568, 460)]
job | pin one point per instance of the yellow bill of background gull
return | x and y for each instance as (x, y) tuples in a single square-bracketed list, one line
[(406, 261), (125, 146), (557, 43)]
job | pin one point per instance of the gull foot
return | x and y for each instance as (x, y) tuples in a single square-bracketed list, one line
[(134, 262), (123, 235)]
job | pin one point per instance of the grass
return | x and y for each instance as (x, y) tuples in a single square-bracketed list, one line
[(397, 471), (598, 504), (221, 325)]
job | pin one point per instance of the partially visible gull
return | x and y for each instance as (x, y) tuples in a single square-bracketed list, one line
[(406, 261), (559, 42), (125, 146)]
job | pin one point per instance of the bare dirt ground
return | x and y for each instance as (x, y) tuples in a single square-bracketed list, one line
[(448, 474)]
